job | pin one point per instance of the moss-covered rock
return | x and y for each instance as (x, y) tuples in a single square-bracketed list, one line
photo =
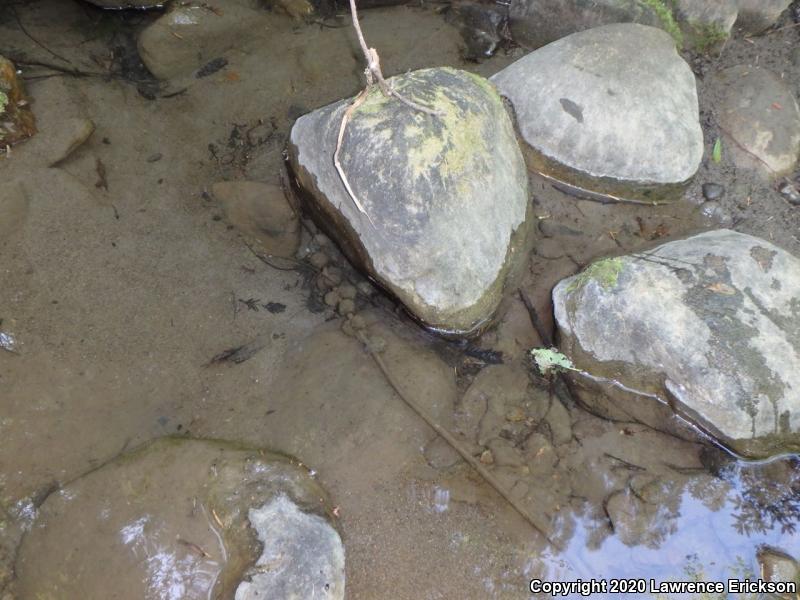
[(709, 325), (445, 196)]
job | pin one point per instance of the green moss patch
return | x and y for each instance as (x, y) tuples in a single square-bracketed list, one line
[(664, 12), (605, 272)]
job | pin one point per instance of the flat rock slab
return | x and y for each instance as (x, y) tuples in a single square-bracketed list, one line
[(614, 105), (183, 518), (711, 323), (446, 196), (760, 120)]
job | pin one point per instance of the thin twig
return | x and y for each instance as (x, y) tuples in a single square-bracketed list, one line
[(535, 522), (743, 149), (33, 39), (345, 120), (374, 76)]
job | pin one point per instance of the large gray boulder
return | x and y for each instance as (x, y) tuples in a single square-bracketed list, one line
[(184, 518), (446, 197), (760, 120), (710, 325), (608, 108)]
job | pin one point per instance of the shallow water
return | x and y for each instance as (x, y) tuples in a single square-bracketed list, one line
[(119, 298)]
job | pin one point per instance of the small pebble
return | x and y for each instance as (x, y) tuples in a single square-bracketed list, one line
[(346, 307), (789, 192), (377, 344), (713, 191), (319, 259), (487, 458), (322, 239), (515, 415), (331, 298), (323, 285), (358, 322), (348, 329), (154, 157), (347, 291), (333, 274), (365, 289)]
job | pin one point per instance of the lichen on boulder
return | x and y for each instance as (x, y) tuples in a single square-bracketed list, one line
[(710, 325), (446, 196)]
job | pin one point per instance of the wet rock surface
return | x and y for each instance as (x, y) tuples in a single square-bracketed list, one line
[(760, 120), (612, 104), (184, 519), (307, 550), (118, 298), (445, 197), (191, 37), (709, 322)]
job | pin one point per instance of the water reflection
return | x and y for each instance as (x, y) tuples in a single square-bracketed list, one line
[(702, 525)]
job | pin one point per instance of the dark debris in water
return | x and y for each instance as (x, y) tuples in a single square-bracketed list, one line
[(237, 354), (275, 307), (211, 67)]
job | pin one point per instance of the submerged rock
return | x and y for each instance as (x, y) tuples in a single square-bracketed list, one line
[(710, 323), (184, 518), (189, 36), (609, 109), (446, 196), (260, 211), (303, 558), (760, 119), (17, 122)]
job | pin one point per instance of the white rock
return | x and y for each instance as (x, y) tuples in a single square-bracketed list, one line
[(303, 556)]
